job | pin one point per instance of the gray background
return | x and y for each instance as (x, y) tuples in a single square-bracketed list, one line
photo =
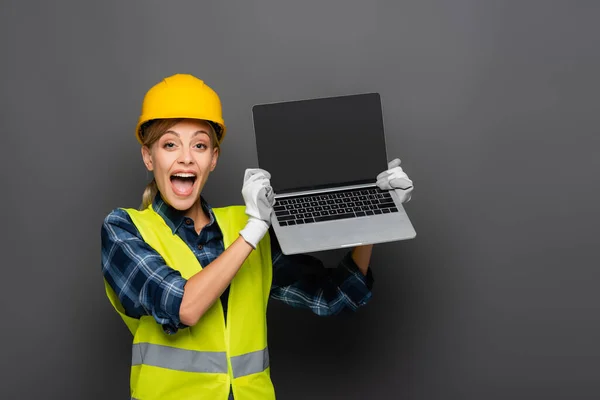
[(493, 107)]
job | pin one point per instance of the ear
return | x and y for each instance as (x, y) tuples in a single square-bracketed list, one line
[(215, 158), (147, 157)]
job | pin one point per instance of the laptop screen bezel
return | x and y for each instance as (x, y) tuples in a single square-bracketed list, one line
[(335, 185)]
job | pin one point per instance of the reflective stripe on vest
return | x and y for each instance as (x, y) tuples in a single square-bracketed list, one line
[(198, 361), (179, 359), (250, 363)]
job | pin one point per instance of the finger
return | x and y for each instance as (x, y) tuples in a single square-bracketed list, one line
[(397, 172), (269, 191), (264, 189), (394, 163), (261, 198), (271, 195), (383, 184), (250, 172), (383, 175), (257, 178), (400, 183), (263, 203), (259, 175), (393, 166), (404, 195), (265, 173)]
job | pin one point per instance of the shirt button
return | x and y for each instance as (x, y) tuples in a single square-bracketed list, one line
[(188, 221), (200, 247)]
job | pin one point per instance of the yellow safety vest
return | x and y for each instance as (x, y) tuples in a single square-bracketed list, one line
[(202, 361)]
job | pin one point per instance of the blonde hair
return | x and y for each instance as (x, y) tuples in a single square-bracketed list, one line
[(151, 131)]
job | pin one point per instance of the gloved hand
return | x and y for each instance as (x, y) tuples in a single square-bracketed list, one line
[(395, 178), (259, 198)]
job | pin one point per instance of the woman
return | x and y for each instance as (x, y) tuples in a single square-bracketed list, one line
[(192, 282)]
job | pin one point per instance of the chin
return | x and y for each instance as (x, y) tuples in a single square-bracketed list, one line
[(182, 203)]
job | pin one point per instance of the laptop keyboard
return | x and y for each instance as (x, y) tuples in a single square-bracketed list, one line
[(335, 205)]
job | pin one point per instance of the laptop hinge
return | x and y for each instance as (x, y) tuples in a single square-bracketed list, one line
[(327, 190)]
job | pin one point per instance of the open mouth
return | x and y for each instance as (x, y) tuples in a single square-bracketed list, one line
[(183, 183)]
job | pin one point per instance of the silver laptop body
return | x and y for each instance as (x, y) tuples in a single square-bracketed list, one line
[(324, 155)]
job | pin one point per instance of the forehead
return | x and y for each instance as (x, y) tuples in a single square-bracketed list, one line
[(190, 126)]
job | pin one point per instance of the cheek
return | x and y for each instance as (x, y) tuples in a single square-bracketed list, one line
[(204, 161), (163, 162)]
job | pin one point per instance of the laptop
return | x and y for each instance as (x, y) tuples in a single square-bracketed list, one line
[(324, 156)]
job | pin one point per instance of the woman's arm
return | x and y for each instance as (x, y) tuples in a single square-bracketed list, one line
[(205, 287), (303, 281), (146, 285), (362, 256), (139, 276)]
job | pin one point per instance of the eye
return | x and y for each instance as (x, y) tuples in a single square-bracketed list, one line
[(168, 145), (201, 146)]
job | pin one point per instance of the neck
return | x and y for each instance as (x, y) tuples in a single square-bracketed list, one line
[(196, 213)]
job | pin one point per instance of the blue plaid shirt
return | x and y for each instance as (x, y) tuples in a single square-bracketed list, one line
[(145, 285)]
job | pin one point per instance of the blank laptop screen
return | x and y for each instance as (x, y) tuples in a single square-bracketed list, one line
[(319, 143)]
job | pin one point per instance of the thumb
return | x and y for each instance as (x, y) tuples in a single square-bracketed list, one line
[(394, 163)]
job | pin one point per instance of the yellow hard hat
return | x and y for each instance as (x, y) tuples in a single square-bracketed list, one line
[(182, 96)]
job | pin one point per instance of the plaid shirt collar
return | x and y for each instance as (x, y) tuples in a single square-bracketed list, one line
[(176, 218)]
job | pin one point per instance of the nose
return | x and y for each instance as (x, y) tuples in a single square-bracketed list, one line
[(185, 156)]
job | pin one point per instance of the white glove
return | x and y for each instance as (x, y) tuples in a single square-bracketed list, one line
[(395, 178), (259, 198)]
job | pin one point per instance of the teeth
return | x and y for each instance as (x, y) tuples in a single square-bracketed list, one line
[(185, 175)]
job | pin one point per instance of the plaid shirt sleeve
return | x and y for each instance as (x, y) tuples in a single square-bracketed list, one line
[(139, 276), (302, 281)]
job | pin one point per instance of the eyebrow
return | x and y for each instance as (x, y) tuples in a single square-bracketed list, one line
[(195, 133)]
